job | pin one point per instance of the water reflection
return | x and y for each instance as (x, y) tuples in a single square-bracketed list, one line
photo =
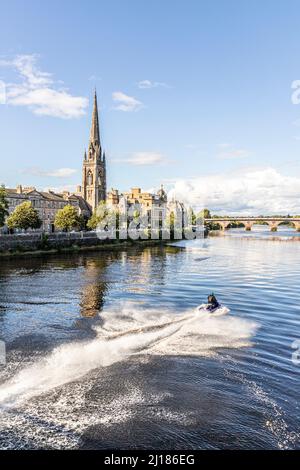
[(130, 272), (87, 278), (94, 288)]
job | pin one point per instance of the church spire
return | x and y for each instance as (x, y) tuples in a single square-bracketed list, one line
[(95, 134), (94, 168)]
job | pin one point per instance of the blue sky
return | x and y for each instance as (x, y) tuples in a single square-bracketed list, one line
[(195, 94)]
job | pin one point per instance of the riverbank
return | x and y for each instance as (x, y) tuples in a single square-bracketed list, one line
[(40, 244)]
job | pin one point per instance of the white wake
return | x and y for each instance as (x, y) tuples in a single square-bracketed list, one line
[(128, 329)]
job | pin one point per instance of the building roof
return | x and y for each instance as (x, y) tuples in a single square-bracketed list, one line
[(11, 192), (50, 196), (83, 205)]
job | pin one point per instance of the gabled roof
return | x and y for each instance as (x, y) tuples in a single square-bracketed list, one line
[(11, 192), (52, 196), (33, 192), (83, 205)]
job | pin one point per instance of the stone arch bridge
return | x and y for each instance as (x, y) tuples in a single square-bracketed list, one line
[(248, 222)]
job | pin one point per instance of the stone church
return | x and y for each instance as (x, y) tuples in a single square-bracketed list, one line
[(93, 189)]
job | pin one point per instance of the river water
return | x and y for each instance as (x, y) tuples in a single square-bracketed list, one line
[(107, 350)]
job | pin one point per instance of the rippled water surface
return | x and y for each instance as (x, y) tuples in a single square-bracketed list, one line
[(107, 350)]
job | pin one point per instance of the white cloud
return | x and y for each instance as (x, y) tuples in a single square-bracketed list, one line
[(146, 84), (144, 158), (229, 152), (39, 92), (125, 102), (251, 191), (59, 173)]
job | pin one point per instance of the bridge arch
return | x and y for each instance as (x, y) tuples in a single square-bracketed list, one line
[(261, 222), (248, 225), (224, 225), (290, 223), (273, 224)]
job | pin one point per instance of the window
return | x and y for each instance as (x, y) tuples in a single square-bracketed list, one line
[(90, 178)]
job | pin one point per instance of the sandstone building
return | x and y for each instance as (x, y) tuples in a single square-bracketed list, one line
[(46, 203), (147, 200), (154, 206)]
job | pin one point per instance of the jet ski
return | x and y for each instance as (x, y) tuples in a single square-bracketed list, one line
[(213, 307), (215, 311)]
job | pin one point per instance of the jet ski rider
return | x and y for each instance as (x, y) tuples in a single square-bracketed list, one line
[(212, 303)]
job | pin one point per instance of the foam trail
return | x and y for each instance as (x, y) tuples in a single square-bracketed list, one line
[(127, 330)]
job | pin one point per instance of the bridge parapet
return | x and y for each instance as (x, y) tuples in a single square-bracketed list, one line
[(248, 222)]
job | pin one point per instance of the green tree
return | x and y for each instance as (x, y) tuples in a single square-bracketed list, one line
[(3, 206), (205, 214), (192, 216), (92, 222), (23, 217), (171, 220), (102, 213), (67, 219)]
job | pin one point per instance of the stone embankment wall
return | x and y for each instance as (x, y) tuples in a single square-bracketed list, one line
[(30, 242)]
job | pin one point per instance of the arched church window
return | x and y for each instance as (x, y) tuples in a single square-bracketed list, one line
[(90, 178)]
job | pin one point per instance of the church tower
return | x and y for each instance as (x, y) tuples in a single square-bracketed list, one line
[(94, 166)]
